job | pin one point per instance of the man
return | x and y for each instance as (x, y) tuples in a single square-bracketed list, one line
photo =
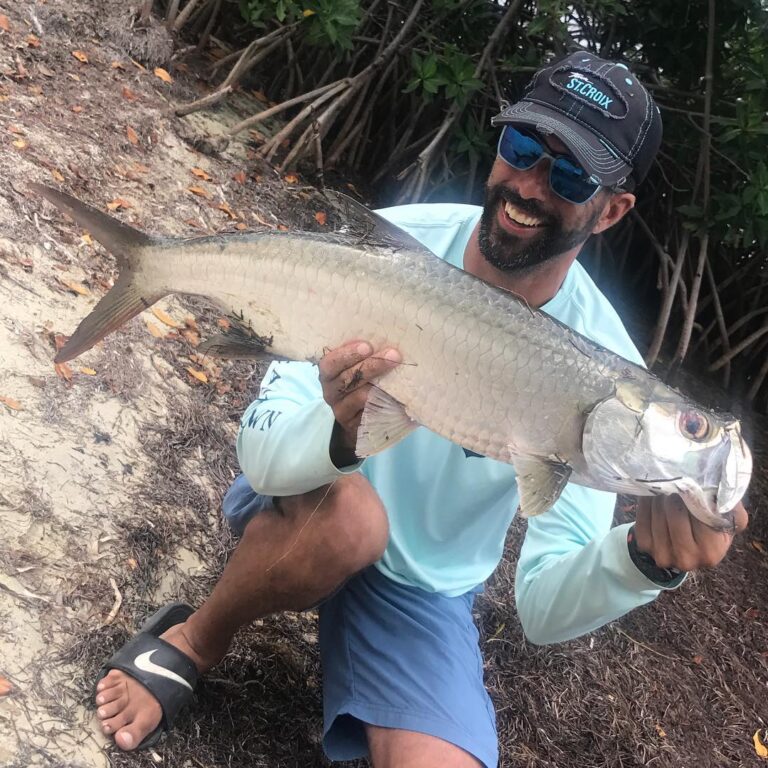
[(395, 548)]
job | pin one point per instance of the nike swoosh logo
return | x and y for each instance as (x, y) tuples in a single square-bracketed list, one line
[(144, 662)]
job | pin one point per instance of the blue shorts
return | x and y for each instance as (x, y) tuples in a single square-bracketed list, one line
[(395, 656)]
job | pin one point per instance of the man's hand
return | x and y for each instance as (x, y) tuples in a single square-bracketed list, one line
[(345, 375), (666, 531)]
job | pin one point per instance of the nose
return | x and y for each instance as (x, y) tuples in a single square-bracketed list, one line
[(532, 184)]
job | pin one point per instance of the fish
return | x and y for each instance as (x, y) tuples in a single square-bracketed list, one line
[(480, 367)]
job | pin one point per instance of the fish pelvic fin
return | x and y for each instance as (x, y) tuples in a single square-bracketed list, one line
[(384, 423), (128, 296), (539, 483)]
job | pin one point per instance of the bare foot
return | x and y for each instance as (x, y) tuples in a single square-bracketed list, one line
[(127, 710)]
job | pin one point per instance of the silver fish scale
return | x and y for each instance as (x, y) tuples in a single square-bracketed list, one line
[(480, 367)]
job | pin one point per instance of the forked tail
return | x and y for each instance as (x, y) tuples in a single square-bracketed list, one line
[(130, 293)]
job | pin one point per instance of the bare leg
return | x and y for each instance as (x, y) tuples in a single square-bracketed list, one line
[(395, 748), (288, 559)]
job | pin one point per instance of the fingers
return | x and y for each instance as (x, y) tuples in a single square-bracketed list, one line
[(345, 376), (740, 518), (643, 530)]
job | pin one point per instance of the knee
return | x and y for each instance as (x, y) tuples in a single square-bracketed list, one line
[(352, 522)]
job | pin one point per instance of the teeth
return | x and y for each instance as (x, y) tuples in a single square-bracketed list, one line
[(519, 217)]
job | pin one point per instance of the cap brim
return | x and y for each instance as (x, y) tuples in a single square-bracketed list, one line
[(588, 149)]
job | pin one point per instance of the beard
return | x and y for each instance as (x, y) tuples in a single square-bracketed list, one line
[(509, 253)]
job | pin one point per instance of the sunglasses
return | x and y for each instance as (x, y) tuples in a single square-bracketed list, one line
[(567, 178)]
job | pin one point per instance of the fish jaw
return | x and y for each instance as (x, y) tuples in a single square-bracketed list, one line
[(737, 471), (640, 451)]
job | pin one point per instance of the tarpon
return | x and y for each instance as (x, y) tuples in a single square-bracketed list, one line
[(480, 367)]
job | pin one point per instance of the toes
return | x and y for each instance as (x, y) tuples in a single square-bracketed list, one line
[(110, 694), (112, 679), (114, 724), (133, 734), (111, 709)]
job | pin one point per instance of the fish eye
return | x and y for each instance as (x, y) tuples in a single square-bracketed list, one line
[(694, 425)]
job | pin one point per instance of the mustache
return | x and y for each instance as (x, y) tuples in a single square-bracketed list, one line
[(532, 207)]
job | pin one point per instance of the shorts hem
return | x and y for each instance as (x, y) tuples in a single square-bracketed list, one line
[(391, 717)]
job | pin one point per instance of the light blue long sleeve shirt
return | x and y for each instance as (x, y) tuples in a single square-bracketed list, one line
[(449, 509)]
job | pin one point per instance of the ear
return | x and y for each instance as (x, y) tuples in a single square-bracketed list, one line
[(616, 207)]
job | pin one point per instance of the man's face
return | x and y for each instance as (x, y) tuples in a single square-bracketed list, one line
[(524, 223)]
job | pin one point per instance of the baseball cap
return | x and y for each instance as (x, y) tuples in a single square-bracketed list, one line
[(599, 110)]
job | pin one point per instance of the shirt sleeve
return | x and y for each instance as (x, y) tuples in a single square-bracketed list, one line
[(575, 573), (284, 439)]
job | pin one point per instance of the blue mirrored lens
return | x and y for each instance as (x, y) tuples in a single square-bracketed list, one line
[(567, 179), (571, 181), (519, 150)]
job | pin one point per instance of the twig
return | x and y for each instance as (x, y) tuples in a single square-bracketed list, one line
[(643, 645), (116, 607), (206, 101)]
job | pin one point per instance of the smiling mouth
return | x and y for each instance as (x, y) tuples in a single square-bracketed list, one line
[(519, 217)]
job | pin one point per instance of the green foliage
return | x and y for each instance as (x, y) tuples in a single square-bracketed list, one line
[(326, 22)]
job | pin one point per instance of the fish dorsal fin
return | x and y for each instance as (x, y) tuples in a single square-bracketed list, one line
[(372, 226), (539, 483), (236, 343), (384, 423)]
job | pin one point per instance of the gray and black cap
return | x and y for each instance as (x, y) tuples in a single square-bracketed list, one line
[(599, 110)]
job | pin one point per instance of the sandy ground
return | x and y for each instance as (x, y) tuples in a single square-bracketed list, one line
[(113, 467)]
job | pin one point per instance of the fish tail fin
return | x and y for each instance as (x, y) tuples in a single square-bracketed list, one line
[(129, 295)]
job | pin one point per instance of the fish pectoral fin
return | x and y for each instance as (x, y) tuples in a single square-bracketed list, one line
[(384, 423), (237, 343), (539, 483)]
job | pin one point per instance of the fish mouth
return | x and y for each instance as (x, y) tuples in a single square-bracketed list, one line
[(737, 471), (713, 504)]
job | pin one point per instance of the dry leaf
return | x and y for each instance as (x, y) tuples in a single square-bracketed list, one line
[(81, 56), (129, 94), (760, 747), (77, 288), (154, 330), (140, 168), (241, 226), (282, 227), (138, 66), (133, 137), (88, 371), (224, 207), (201, 174), (192, 336), (260, 95), (165, 318), (199, 375), (59, 340), (163, 75), (194, 223), (263, 222), (58, 175), (5, 686), (758, 545), (15, 129), (222, 388), (33, 41), (198, 191), (321, 218), (77, 109), (291, 178), (697, 659), (5, 25), (662, 733), (20, 144), (43, 70), (224, 323), (14, 405), (132, 563), (117, 65), (118, 202), (63, 370), (239, 177), (86, 238)]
